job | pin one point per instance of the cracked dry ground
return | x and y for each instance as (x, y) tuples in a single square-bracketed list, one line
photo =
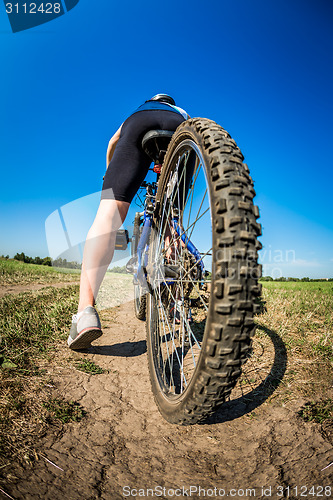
[(123, 440)]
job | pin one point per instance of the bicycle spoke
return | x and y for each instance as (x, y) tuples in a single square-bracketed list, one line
[(190, 280), (177, 344), (188, 331), (178, 238), (170, 358), (164, 321)]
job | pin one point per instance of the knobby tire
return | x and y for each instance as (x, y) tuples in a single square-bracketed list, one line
[(229, 324)]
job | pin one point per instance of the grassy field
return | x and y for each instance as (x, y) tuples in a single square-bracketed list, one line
[(14, 272), (301, 313), (32, 326), (300, 316), (323, 286), (295, 324)]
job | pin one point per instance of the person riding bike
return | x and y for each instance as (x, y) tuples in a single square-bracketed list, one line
[(127, 166)]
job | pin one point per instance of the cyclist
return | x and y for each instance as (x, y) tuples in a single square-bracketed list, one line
[(127, 166)]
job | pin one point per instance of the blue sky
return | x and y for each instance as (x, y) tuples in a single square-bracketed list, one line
[(263, 70)]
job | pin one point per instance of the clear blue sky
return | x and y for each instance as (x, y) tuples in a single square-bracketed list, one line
[(262, 69)]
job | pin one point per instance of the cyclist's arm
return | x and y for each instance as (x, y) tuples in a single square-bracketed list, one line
[(112, 145)]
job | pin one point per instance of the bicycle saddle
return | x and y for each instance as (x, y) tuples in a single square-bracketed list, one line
[(155, 144)]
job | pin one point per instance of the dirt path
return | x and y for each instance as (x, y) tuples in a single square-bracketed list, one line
[(16, 289), (123, 443)]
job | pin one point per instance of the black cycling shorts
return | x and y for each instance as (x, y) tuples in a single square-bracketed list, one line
[(129, 164)]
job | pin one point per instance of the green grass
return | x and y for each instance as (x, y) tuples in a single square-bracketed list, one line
[(65, 411), (319, 411), (33, 323), (301, 313), (289, 286), (88, 366), (14, 272)]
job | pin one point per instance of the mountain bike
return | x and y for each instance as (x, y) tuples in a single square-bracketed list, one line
[(195, 266)]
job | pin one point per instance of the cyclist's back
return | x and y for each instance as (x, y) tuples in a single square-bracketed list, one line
[(129, 164)]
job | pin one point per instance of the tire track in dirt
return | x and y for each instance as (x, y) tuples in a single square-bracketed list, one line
[(123, 441)]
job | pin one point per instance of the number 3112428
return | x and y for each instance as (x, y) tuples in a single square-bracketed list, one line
[(31, 8)]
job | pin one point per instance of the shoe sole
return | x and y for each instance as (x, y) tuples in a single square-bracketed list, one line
[(84, 340)]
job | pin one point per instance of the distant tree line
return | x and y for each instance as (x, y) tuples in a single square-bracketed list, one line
[(46, 261), (282, 278), (64, 263), (118, 269)]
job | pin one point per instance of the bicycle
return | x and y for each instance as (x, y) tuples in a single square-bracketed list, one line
[(195, 266)]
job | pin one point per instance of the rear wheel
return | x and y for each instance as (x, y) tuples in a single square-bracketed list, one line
[(139, 295), (203, 272)]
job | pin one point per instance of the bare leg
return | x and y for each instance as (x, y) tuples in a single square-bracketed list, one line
[(99, 248)]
